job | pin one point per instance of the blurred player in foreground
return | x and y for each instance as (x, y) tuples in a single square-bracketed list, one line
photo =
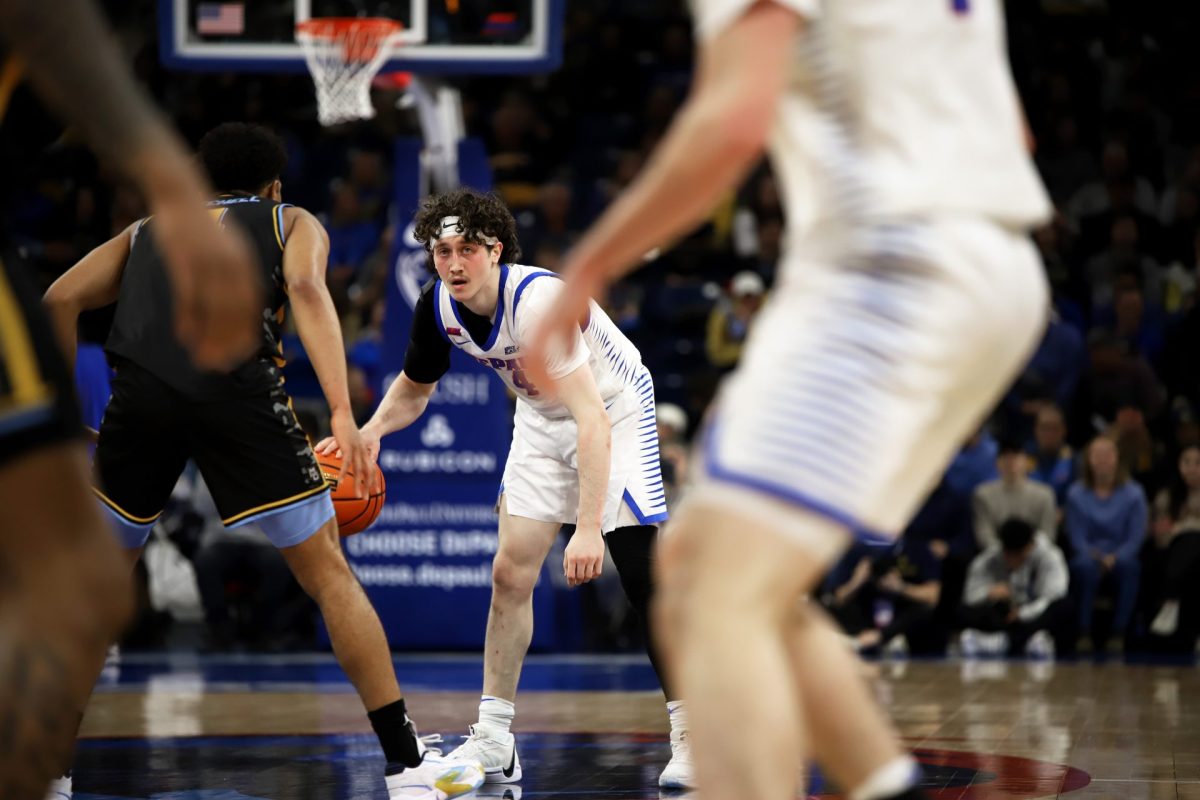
[(909, 297), (64, 592), (239, 427)]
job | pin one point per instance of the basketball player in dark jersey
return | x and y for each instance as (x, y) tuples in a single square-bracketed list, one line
[(238, 426), (64, 593)]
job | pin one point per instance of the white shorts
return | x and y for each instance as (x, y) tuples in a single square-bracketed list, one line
[(868, 368), (541, 477)]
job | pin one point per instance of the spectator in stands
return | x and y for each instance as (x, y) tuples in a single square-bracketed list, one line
[(1125, 254), (730, 320), (1138, 324), (352, 239), (1177, 531), (1096, 197), (1181, 356), (367, 176), (1051, 376), (760, 205), (1114, 379), (673, 448), (515, 147), (1053, 459), (1064, 162), (890, 596), (1012, 496), (944, 520), (1181, 249), (1015, 598), (974, 464), (549, 223), (1137, 448), (1105, 522)]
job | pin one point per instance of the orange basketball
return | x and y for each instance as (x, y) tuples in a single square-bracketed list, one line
[(354, 514)]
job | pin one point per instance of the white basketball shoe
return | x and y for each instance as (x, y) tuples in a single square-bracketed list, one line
[(678, 773), (437, 777), (60, 789), (496, 752)]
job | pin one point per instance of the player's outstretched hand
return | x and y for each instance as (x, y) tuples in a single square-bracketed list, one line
[(584, 557), (217, 286), (555, 333), (358, 450)]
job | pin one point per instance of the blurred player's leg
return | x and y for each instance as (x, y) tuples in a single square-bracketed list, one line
[(730, 591), (362, 650), (524, 544), (64, 595), (850, 736)]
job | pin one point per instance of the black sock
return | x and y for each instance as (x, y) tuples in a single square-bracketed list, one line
[(397, 739)]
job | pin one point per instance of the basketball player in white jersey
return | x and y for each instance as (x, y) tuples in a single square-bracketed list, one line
[(909, 297), (586, 453)]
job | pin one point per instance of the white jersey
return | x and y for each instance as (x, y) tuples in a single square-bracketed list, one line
[(525, 295), (897, 108), (541, 478)]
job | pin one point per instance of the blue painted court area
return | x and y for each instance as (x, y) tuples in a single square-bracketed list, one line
[(320, 672)]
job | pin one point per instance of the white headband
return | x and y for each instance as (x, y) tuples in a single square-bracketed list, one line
[(451, 226)]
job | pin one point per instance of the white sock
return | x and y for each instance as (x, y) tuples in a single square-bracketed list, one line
[(677, 715), (892, 778), (496, 714)]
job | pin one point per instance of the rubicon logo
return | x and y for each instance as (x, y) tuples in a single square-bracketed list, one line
[(437, 432)]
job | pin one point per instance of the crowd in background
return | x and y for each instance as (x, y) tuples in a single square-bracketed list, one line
[(1075, 509)]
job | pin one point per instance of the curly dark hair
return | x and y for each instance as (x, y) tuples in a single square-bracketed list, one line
[(240, 157), (480, 214)]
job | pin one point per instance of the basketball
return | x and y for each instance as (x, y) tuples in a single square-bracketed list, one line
[(354, 514)]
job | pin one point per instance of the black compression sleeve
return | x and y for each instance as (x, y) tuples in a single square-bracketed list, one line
[(632, 550), (428, 356)]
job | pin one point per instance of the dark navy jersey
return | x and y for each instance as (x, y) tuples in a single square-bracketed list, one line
[(143, 329)]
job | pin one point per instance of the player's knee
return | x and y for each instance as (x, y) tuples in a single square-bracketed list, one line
[(319, 565), (325, 579), (511, 579)]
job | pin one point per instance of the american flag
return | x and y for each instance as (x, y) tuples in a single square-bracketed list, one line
[(221, 19)]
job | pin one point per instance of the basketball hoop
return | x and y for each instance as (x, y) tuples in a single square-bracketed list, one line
[(343, 55)]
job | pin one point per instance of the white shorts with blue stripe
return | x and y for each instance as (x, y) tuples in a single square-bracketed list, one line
[(541, 477), (868, 368)]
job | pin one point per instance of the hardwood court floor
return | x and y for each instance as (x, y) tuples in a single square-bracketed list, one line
[(184, 728)]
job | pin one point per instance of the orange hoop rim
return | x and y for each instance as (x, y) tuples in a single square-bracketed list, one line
[(336, 27)]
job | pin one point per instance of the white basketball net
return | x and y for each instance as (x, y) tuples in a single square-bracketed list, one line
[(344, 55)]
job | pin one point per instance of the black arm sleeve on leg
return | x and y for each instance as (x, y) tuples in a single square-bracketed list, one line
[(632, 550)]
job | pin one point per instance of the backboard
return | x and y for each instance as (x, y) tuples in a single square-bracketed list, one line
[(440, 36)]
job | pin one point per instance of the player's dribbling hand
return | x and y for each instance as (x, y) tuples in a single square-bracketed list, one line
[(329, 445), (584, 556), (216, 284), (358, 452)]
